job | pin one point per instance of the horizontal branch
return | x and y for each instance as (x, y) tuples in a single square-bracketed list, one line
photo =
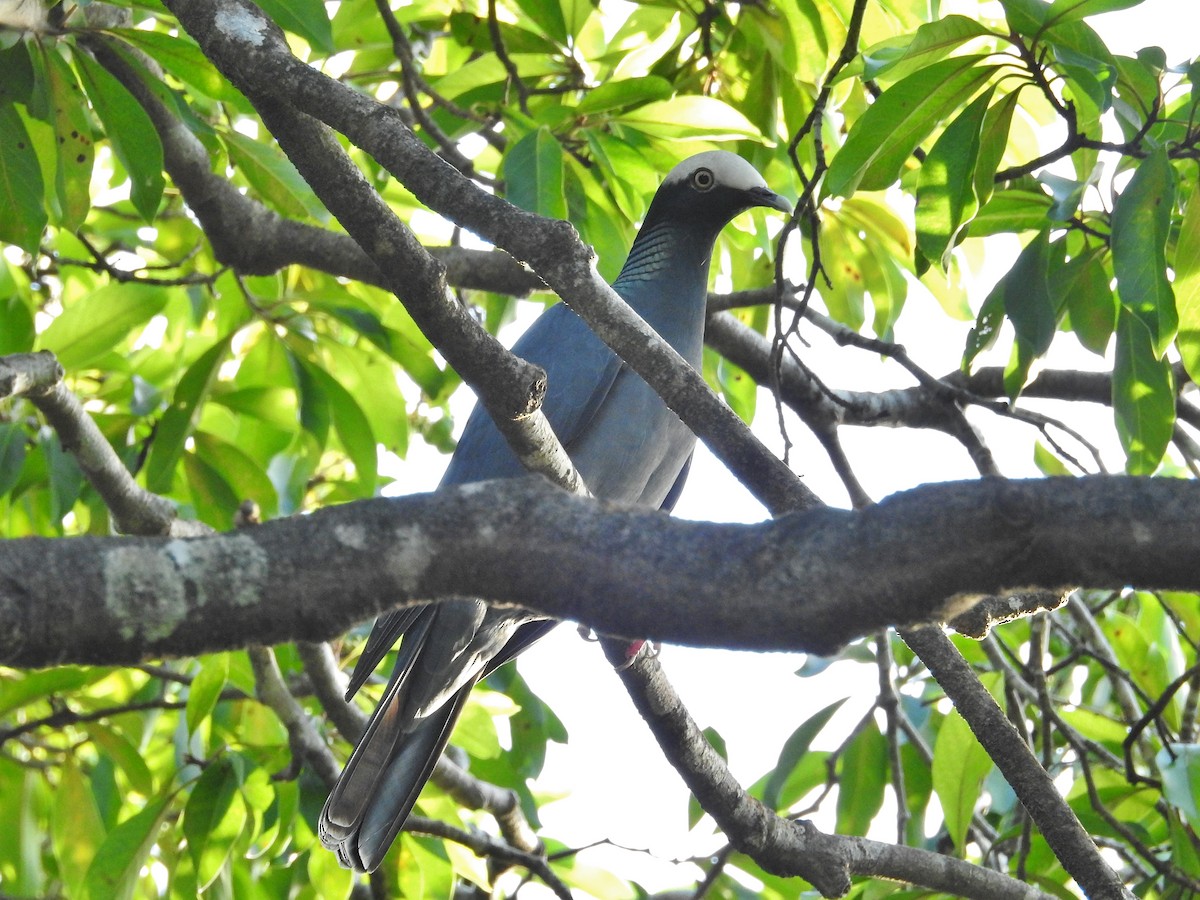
[(809, 580)]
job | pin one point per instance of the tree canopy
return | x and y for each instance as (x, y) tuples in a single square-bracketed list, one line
[(252, 253)]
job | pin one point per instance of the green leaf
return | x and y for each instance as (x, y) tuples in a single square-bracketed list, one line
[(95, 325), (243, 475), (206, 689), (693, 117), (16, 318), (1063, 11), (180, 418), (116, 870), (575, 14), (739, 390), (993, 140), (885, 136), (1026, 16), (130, 132), (1093, 78), (214, 497), (1187, 287), (533, 174), (1047, 463), (932, 41), (795, 748), (16, 74), (1027, 297), (125, 755), (1143, 396), (352, 427), (626, 92), (273, 405), (77, 828), (306, 18), (1082, 285), (73, 141), (862, 776), (333, 882), (21, 184), (182, 57), (1013, 210), (12, 455), (1141, 224), (1179, 765), (959, 766), (213, 818), (946, 181), (20, 688), (273, 176), (548, 16)]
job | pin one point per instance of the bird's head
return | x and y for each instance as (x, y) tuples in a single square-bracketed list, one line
[(710, 189)]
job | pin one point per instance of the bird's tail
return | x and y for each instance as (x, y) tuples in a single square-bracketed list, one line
[(383, 779)]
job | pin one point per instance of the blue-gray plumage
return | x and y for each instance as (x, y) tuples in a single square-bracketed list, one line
[(628, 446)]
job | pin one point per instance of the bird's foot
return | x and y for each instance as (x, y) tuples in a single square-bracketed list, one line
[(649, 649)]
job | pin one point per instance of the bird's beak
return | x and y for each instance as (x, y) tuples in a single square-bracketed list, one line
[(762, 196)]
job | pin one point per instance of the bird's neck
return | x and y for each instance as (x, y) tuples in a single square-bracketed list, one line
[(665, 280)]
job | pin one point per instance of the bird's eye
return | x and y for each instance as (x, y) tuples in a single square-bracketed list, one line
[(702, 179)]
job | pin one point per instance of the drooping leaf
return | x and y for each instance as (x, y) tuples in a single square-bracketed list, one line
[(116, 870), (182, 57), (352, 427), (1141, 225), (273, 176), (129, 131), (862, 776), (946, 181), (1187, 287), (533, 174), (21, 183), (73, 141), (1143, 396), (180, 418), (12, 455), (125, 754), (959, 767), (214, 817), (795, 748), (206, 689), (1180, 768), (1083, 286), (77, 829)]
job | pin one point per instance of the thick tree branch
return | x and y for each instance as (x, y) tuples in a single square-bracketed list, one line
[(798, 582)]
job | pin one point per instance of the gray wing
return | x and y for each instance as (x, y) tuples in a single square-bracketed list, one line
[(581, 372)]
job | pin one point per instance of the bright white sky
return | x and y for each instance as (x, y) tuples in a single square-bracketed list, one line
[(616, 782)]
